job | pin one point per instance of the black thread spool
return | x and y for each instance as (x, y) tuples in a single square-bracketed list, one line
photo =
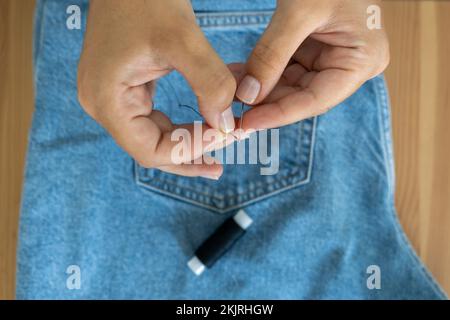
[(219, 242)]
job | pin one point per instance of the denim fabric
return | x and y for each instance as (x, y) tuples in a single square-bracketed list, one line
[(318, 224)]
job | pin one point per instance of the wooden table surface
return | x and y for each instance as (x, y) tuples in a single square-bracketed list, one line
[(419, 81)]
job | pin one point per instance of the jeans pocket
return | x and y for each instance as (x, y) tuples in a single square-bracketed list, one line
[(233, 35)]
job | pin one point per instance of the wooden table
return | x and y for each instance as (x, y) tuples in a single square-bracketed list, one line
[(419, 80)]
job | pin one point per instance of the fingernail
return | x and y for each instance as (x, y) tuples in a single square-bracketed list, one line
[(227, 120), (212, 177), (248, 89)]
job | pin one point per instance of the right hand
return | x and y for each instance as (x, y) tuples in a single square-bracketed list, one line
[(130, 44)]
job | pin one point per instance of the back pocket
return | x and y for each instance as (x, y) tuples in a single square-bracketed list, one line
[(233, 35)]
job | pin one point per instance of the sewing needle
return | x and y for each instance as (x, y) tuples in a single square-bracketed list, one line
[(242, 116)]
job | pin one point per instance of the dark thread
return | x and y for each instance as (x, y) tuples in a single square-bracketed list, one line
[(241, 116), (219, 242), (190, 108)]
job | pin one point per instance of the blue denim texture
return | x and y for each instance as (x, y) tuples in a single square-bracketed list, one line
[(318, 224)]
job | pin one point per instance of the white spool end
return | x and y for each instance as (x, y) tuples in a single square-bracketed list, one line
[(196, 266), (242, 219)]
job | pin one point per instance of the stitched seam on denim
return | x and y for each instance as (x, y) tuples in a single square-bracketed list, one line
[(145, 186), (312, 147), (245, 194), (382, 118), (185, 188), (224, 197), (39, 43), (308, 173), (417, 262), (264, 186), (236, 19), (299, 139), (162, 182)]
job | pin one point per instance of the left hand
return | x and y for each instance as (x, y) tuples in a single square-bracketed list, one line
[(312, 56)]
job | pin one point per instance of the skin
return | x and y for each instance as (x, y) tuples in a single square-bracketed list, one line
[(129, 45), (312, 56)]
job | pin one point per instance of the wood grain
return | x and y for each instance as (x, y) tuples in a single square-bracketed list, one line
[(16, 105), (419, 82)]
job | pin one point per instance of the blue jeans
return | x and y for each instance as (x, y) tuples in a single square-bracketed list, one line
[(324, 225)]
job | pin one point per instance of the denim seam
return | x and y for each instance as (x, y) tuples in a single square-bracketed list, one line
[(39, 41), (384, 115), (279, 179), (261, 185), (233, 19), (148, 187), (290, 175)]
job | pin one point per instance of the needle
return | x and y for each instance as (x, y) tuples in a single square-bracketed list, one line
[(241, 117), (241, 120)]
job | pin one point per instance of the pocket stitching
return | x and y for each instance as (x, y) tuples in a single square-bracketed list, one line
[(233, 19), (209, 198)]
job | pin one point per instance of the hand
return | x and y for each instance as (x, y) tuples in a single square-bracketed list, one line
[(130, 44), (312, 56)]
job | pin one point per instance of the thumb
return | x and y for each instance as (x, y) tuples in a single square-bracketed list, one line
[(210, 79), (271, 55)]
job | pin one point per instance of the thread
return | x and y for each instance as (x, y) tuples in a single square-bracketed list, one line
[(219, 242)]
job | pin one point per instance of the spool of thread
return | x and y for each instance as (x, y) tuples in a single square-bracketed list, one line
[(219, 242)]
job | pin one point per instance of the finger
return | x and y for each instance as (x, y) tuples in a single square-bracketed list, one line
[(210, 79), (144, 140), (238, 70), (325, 90), (271, 55), (290, 82), (308, 52), (149, 136), (162, 120), (209, 171)]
